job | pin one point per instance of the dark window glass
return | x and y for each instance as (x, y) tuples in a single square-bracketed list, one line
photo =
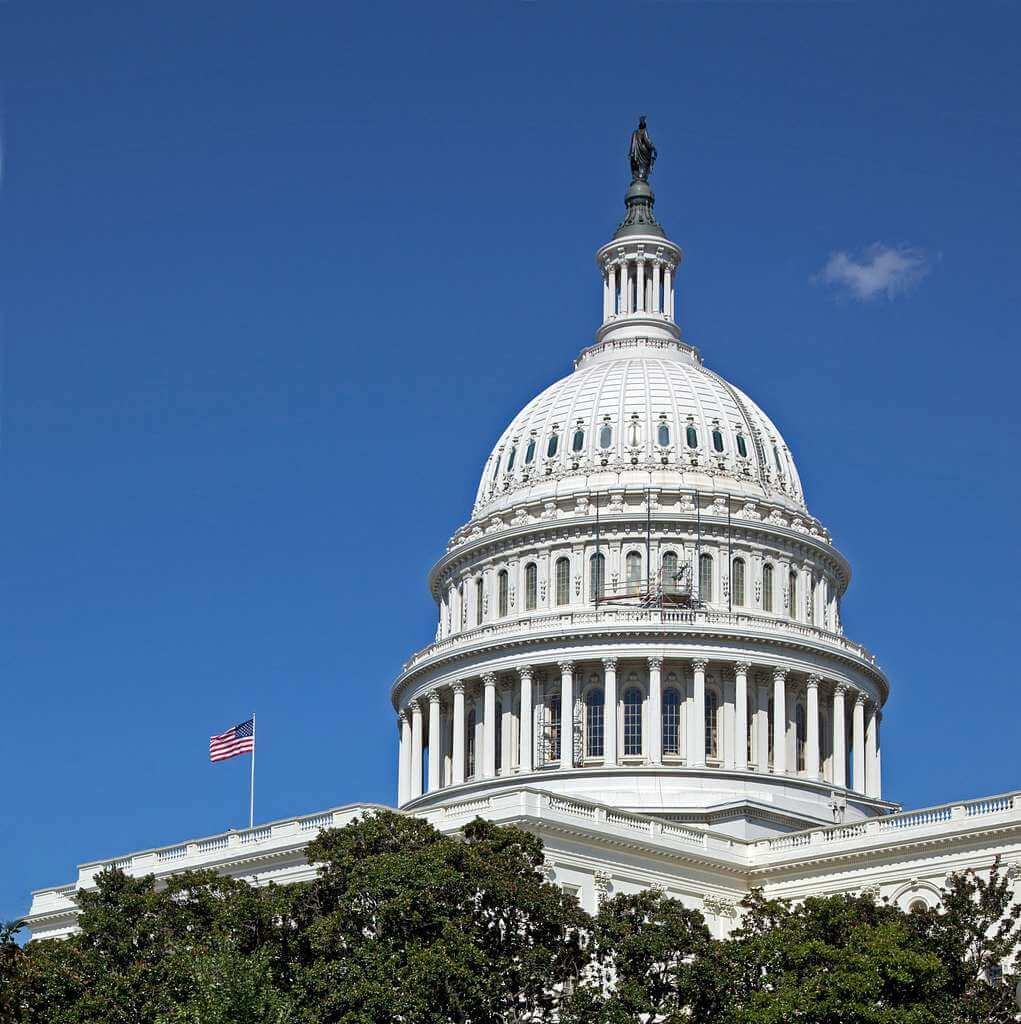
[(664, 435), (510, 458), (742, 448), (597, 576), (563, 580), (531, 581), (692, 436), (496, 468), (633, 722), (554, 729), (551, 447), (579, 441), (503, 592), (530, 451), (605, 436), (671, 722), (594, 723), (767, 588), (712, 730), (717, 441)]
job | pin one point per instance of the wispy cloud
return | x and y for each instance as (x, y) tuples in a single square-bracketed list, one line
[(881, 270)]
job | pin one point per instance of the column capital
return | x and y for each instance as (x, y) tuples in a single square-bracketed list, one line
[(433, 696), (655, 664), (489, 679), (814, 680), (742, 667), (566, 666), (524, 671), (458, 686), (779, 674), (699, 664), (860, 698), (840, 689), (610, 664), (414, 706)]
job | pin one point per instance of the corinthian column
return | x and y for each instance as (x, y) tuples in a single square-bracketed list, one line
[(404, 760), (871, 751), (489, 725), (812, 736), (435, 741), (696, 738), (416, 749), (858, 743), (610, 711), (839, 736), (457, 755), (741, 716), (525, 720), (779, 721), (655, 711)]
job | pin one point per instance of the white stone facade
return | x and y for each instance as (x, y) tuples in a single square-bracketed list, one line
[(639, 655)]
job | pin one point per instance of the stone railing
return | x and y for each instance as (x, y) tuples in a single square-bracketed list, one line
[(556, 623)]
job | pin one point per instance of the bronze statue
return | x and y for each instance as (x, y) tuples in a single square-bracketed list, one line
[(642, 152)]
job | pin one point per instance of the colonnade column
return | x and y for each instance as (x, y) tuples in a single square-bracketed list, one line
[(839, 737), (607, 293), (668, 292), (656, 277), (696, 737), (404, 760), (812, 737), (457, 755), (740, 757), (416, 749), (879, 756), (625, 288), (640, 286), (610, 711), (655, 711), (762, 720), (489, 725), (779, 721), (871, 752), (435, 741), (525, 746), (858, 744), (567, 714)]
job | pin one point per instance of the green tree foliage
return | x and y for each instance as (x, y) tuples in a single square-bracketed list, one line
[(403, 925)]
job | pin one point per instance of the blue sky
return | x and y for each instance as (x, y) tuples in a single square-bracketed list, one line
[(276, 276)]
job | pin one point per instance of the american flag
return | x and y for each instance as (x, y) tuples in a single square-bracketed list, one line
[(239, 739)]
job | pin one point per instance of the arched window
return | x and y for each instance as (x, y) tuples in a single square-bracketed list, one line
[(597, 576), (578, 441), (742, 447), (605, 436), (800, 736), (552, 445), (691, 435), (792, 594), (502, 592), (531, 586), (663, 435), (918, 907), (554, 728), (767, 588), (498, 721), (669, 572), (563, 579), (737, 582), (632, 722), (671, 721), (769, 729), (712, 728), (717, 440), (496, 468), (811, 601), (530, 451), (470, 744), (478, 601), (634, 432), (705, 578), (511, 458), (594, 722), (634, 572)]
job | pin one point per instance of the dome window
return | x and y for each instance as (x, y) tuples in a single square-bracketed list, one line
[(552, 445), (511, 457), (634, 432), (496, 468), (663, 435), (767, 588), (530, 451), (578, 441), (742, 447), (605, 436), (717, 440), (691, 435)]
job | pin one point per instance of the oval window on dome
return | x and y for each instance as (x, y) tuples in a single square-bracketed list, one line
[(717, 441), (554, 443), (496, 468), (511, 457), (634, 433), (742, 447), (692, 437), (578, 441), (530, 451), (663, 435), (606, 436)]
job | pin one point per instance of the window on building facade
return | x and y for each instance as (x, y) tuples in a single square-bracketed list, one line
[(712, 729), (563, 580), (671, 721), (502, 592), (767, 588), (496, 468), (691, 435), (464, 606), (511, 458), (552, 445), (705, 578), (799, 737), (531, 586), (530, 451), (470, 744), (594, 722), (811, 601), (770, 738), (597, 576), (634, 433), (553, 732), (632, 722), (478, 601), (605, 436), (669, 566), (792, 594), (634, 571), (578, 441), (737, 582), (742, 447), (717, 441), (663, 435)]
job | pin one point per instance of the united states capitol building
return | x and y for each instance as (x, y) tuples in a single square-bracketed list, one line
[(639, 653)]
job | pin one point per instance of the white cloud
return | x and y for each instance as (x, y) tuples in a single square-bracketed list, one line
[(879, 270)]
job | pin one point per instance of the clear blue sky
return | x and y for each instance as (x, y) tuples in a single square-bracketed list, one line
[(276, 275)]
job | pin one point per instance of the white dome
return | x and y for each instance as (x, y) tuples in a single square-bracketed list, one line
[(668, 417)]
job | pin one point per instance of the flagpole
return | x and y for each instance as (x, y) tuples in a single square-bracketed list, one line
[(251, 788)]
